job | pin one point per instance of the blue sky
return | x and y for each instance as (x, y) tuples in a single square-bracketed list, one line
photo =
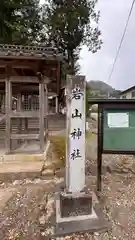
[(97, 66)]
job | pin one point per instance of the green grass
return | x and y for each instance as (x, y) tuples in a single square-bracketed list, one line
[(59, 147), (88, 134)]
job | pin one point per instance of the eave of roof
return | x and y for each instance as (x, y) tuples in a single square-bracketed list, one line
[(110, 101), (127, 90), (30, 52)]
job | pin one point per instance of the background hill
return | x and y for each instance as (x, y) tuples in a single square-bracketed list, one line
[(102, 89)]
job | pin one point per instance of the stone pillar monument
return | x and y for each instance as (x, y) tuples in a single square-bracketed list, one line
[(74, 206)]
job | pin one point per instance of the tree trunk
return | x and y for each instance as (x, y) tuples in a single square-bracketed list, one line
[(71, 62)]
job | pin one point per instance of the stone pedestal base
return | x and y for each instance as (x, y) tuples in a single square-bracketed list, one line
[(76, 214), (73, 207)]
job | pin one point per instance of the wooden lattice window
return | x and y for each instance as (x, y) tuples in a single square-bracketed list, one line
[(30, 102)]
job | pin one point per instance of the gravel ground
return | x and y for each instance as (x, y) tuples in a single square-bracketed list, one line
[(118, 194), (29, 214), (23, 216), (118, 199), (119, 202)]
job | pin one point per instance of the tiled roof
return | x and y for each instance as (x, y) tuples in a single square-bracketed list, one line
[(29, 52)]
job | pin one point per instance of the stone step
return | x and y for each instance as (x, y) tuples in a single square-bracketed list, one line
[(20, 166), (20, 170)]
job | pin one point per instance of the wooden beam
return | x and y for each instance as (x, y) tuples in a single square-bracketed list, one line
[(18, 64), (39, 65), (19, 79), (24, 114), (27, 79), (25, 136), (24, 79)]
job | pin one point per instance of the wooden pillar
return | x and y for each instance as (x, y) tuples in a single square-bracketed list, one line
[(46, 111), (56, 104), (26, 125), (41, 114), (99, 148), (8, 108), (19, 121), (19, 109), (19, 102), (46, 99)]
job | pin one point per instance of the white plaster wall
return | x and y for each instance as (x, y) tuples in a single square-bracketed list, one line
[(128, 95)]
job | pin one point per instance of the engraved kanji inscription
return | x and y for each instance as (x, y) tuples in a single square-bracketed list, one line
[(76, 133), (76, 93), (75, 154), (76, 114)]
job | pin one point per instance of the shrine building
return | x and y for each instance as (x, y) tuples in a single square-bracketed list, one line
[(30, 91)]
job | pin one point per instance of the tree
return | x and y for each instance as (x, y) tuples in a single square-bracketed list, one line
[(19, 21), (69, 24)]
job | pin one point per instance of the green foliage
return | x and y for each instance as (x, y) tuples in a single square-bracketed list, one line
[(66, 23), (59, 147), (69, 24), (88, 135), (66, 68), (20, 21)]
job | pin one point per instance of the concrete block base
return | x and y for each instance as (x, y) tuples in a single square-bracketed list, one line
[(77, 214), (73, 208)]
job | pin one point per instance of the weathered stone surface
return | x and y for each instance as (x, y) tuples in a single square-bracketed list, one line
[(42, 220), (60, 172), (48, 172)]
